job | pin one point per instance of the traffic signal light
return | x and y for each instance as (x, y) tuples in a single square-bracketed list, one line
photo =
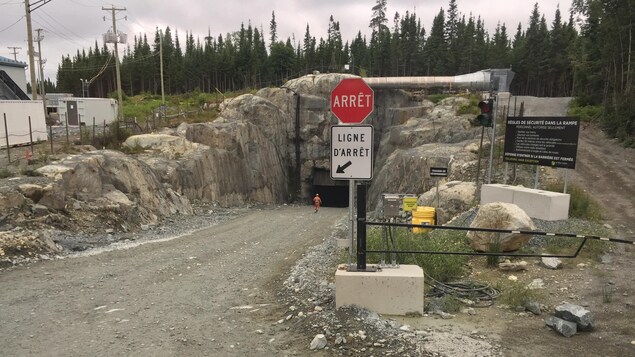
[(486, 107)]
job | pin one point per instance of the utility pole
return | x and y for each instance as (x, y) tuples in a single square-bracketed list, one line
[(39, 53), (29, 35), (117, 38), (161, 56), (15, 52)]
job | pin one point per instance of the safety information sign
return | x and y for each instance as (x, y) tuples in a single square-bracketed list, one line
[(352, 152)]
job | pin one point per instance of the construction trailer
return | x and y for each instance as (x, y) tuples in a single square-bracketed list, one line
[(21, 122), (77, 111)]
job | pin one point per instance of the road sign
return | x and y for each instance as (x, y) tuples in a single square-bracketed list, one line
[(438, 172), (351, 152), (352, 101)]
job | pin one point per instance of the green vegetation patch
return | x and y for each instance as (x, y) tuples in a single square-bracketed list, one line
[(442, 267)]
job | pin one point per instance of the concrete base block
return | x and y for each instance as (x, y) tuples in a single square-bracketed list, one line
[(497, 193), (397, 291), (546, 205)]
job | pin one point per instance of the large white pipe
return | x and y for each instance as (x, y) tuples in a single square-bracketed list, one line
[(481, 80)]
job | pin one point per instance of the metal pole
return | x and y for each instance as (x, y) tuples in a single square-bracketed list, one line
[(566, 180), (31, 135), (51, 137), (437, 180), (492, 142), (361, 228), (39, 53), (67, 138), (537, 176), (478, 164), (81, 139), (6, 135), (351, 218)]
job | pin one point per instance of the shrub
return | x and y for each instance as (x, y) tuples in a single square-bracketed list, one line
[(441, 267), (436, 98), (587, 113), (4, 173), (515, 293)]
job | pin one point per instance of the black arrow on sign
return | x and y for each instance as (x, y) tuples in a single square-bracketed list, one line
[(340, 169)]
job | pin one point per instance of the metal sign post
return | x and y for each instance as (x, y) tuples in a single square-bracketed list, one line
[(351, 216), (352, 101)]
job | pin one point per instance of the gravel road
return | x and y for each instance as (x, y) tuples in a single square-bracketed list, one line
[(208, 293)]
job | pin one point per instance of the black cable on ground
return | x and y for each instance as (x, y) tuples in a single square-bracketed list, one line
[(481, 294)]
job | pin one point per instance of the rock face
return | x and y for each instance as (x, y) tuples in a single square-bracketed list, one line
[(501, 216), (113, 182), (455, 197), (437, 137)]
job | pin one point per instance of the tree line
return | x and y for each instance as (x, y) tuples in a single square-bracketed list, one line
[(586, 54)]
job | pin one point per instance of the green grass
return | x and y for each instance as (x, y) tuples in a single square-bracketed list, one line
[(471, 107), (441, 267), (588, 113), (436, 98), (4, 173), (515, 293)]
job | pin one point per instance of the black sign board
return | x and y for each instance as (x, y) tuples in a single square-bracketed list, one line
[(544, 141), (438, 172)]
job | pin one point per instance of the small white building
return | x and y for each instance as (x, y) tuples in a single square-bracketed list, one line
[(84, 110), (12, 79)]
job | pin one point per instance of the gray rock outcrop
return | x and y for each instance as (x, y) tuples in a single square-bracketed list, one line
[(110, 181)]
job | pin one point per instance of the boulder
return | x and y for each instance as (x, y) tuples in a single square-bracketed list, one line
[(168, 146), (11, 200), (500, 215), (31, 191), (454, 197), (551, 263), (54, 197), (563, 327), (576, 314)]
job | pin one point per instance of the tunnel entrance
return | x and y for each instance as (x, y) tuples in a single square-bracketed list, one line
[(333, 193)]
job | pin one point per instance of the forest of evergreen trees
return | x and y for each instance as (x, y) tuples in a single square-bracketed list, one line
[(586, 53)]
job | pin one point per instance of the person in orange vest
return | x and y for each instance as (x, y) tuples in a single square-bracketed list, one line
[(317, 201)]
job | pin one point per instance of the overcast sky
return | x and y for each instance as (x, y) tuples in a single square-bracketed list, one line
[(70, 25)]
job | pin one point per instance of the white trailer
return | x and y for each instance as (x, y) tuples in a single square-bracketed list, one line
[(15, 116), (82, 110)]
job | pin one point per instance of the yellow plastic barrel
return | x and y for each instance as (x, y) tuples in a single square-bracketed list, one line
[(422, 215)]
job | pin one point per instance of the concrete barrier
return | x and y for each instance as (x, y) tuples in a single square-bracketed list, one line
[(396, 291), (540, 204)]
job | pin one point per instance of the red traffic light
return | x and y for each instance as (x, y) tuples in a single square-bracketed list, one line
[(485, 106)]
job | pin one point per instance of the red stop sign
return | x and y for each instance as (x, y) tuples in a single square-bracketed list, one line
[(352, 100)]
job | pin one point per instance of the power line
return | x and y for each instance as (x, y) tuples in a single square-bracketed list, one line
[(10, 26)]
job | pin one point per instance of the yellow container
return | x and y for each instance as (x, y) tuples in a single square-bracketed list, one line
[(423, 215)]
